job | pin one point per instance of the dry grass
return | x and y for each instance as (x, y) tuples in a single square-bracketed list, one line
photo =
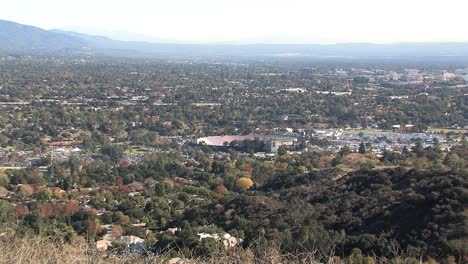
[(40, 250), (35, 249)]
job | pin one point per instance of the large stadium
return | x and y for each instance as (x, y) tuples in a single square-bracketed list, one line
[(272, 142)]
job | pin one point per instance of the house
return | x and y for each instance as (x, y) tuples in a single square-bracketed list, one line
[(275, 143), (128, 240), (230, 241), (56, 190), (133, 187), (205, 235), (407, 127), (295, 90), (173, 230), (133, 244), (65, 143)]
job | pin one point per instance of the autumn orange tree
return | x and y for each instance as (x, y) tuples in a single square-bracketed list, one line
[(244, 183)]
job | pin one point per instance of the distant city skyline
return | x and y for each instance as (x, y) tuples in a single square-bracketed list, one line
[(254, 21)]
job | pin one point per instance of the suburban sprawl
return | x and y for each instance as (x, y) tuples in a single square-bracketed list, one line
[(189, 158)]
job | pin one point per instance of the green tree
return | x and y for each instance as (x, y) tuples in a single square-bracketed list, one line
[(362, 148)]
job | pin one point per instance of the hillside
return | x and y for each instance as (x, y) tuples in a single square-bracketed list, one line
[(18, 37), (377, 211), (392, 213)]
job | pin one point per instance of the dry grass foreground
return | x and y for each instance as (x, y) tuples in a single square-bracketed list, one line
[(36, 249)]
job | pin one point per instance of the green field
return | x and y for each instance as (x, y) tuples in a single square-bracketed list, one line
[(447, 130)]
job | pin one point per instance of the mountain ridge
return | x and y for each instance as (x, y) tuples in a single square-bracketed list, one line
[(17, 37)]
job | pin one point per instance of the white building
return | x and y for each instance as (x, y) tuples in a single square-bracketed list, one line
[(446, 76)]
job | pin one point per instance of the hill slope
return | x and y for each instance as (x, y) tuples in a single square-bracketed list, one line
[(419, 212), (18, 37)]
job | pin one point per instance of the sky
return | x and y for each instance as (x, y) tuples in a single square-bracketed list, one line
[(251, 21)]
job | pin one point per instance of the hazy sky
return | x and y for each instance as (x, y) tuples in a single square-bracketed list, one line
[(302, 21)]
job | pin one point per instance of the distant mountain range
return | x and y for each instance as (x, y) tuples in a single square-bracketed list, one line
[(16, 37)]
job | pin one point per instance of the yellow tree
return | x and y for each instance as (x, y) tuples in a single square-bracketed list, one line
[(244, 183)]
